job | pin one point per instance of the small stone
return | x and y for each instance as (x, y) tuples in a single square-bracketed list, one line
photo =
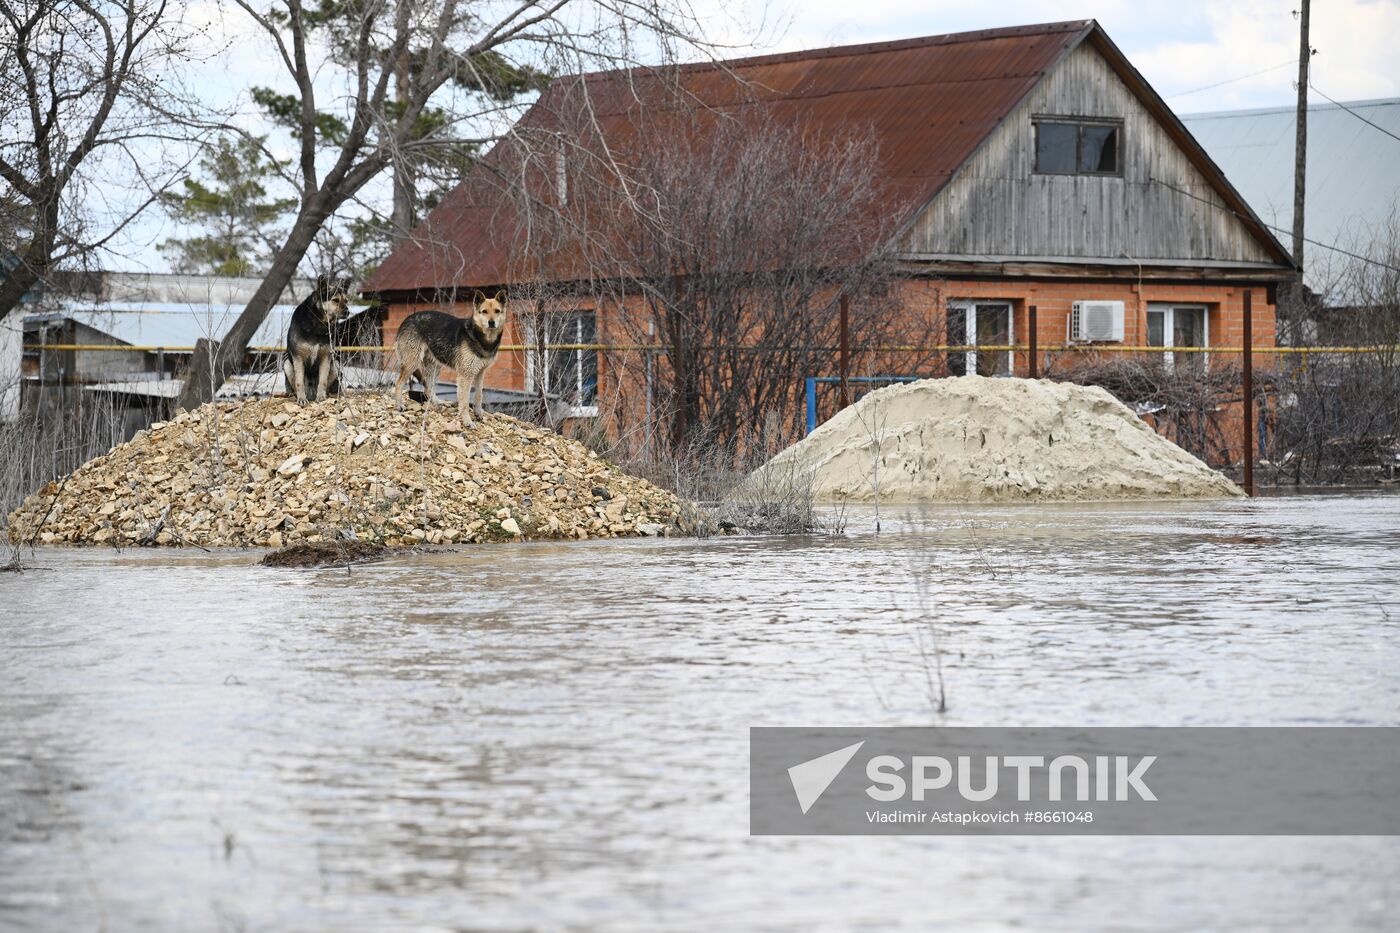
[(510, 527), (293, 465)]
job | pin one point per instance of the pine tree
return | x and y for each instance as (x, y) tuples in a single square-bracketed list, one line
[(232, 208)]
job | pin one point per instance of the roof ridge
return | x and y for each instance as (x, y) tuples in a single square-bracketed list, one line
[(865, 48), (1291, 108)]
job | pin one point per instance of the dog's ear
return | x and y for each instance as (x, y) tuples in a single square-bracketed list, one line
[(502, 295), (477, 297), (323, 282)]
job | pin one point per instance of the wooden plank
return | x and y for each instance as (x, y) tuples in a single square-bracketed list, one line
[(997, 205)]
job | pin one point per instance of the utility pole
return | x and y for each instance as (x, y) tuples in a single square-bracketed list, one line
[(1300, 156)]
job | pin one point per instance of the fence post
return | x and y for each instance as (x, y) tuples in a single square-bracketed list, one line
[(845, 351), (1031, 339), (811, 404), (1248, 353)]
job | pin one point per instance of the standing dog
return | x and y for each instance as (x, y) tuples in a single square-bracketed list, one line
[(429, 340), (308, 360)]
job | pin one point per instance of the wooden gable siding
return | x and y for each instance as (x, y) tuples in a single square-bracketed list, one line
[(997, 206)]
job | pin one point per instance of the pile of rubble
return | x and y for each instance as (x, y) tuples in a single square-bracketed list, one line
[(270, 473)]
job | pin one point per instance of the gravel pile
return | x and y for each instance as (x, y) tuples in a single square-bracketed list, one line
[(270, 473)]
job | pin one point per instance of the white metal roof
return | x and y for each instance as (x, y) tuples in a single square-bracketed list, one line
[(155, 324), (1353, 171)]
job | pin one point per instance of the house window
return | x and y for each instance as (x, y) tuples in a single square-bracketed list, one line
[(570, 374), (1071, 146), (1171, 326), (980, 324)]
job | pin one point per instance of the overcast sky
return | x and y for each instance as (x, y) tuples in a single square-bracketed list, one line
[(1180, 46), (1199, 55)]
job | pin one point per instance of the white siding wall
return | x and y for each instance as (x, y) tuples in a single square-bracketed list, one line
[(11, 340), (996, 207)]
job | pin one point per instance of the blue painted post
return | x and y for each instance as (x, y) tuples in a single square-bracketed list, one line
[(811, 404)]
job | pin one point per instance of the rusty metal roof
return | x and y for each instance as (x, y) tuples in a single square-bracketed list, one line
[(928, 102)]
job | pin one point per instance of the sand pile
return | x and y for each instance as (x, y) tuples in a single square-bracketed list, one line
[(974, 438), (267, 472)]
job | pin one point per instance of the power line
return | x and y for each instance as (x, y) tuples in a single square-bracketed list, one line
[(1221, 207), (1355, 114), (1253, 74)]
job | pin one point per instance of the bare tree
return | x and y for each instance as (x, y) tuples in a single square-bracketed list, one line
[(730, 246), (80, 79), (1335, 417), (396, 59)]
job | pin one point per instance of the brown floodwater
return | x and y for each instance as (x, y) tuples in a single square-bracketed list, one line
[(555, 735)]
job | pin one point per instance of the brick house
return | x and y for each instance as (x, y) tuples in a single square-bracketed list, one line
[(1034, 166)]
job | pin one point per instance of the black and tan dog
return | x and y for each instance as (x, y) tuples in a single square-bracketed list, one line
[(429, 340), (309, 361)]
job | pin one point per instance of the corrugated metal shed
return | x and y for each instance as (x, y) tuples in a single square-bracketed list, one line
[(1353, 170), (928, 102), (161, 325)]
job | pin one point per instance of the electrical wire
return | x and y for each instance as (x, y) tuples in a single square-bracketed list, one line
[(1221, 207), (1253, 74), (1355, 114)]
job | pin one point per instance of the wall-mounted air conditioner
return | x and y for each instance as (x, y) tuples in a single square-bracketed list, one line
[(1096, 321)]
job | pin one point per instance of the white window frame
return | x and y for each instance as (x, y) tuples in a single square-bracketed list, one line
[(1168, 311), (575, 411), (968, 307)]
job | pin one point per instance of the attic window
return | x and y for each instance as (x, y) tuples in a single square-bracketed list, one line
[(1074, 146)]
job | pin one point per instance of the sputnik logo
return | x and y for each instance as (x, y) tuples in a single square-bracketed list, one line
[(811, 778)]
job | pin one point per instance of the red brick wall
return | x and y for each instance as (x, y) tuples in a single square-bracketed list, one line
[(621, 392), (1053, 300)]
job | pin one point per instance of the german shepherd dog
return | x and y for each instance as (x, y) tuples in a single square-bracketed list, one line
[(429, 340), (308, 361)]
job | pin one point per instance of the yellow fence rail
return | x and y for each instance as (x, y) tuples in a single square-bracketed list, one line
[(658, 348)]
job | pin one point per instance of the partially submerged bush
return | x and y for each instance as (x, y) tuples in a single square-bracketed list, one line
[(722, 488)]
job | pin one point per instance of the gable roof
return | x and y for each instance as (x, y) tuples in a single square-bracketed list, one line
[(928, 102)]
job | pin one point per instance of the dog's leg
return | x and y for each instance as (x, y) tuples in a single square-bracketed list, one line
[(428, 373), (407, 365), (480, 378), (299, 378), (464, 395), (323, 374), (405, 373)]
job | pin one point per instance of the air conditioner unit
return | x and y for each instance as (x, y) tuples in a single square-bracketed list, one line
[(1096, 321)]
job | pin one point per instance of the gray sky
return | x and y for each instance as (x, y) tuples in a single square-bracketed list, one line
[(1179, 46), (1199, 55)]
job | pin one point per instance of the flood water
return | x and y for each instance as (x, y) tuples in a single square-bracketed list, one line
[(556, 735)]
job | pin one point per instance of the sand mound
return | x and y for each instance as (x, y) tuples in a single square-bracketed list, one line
[(267, 472), (974, 438)]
